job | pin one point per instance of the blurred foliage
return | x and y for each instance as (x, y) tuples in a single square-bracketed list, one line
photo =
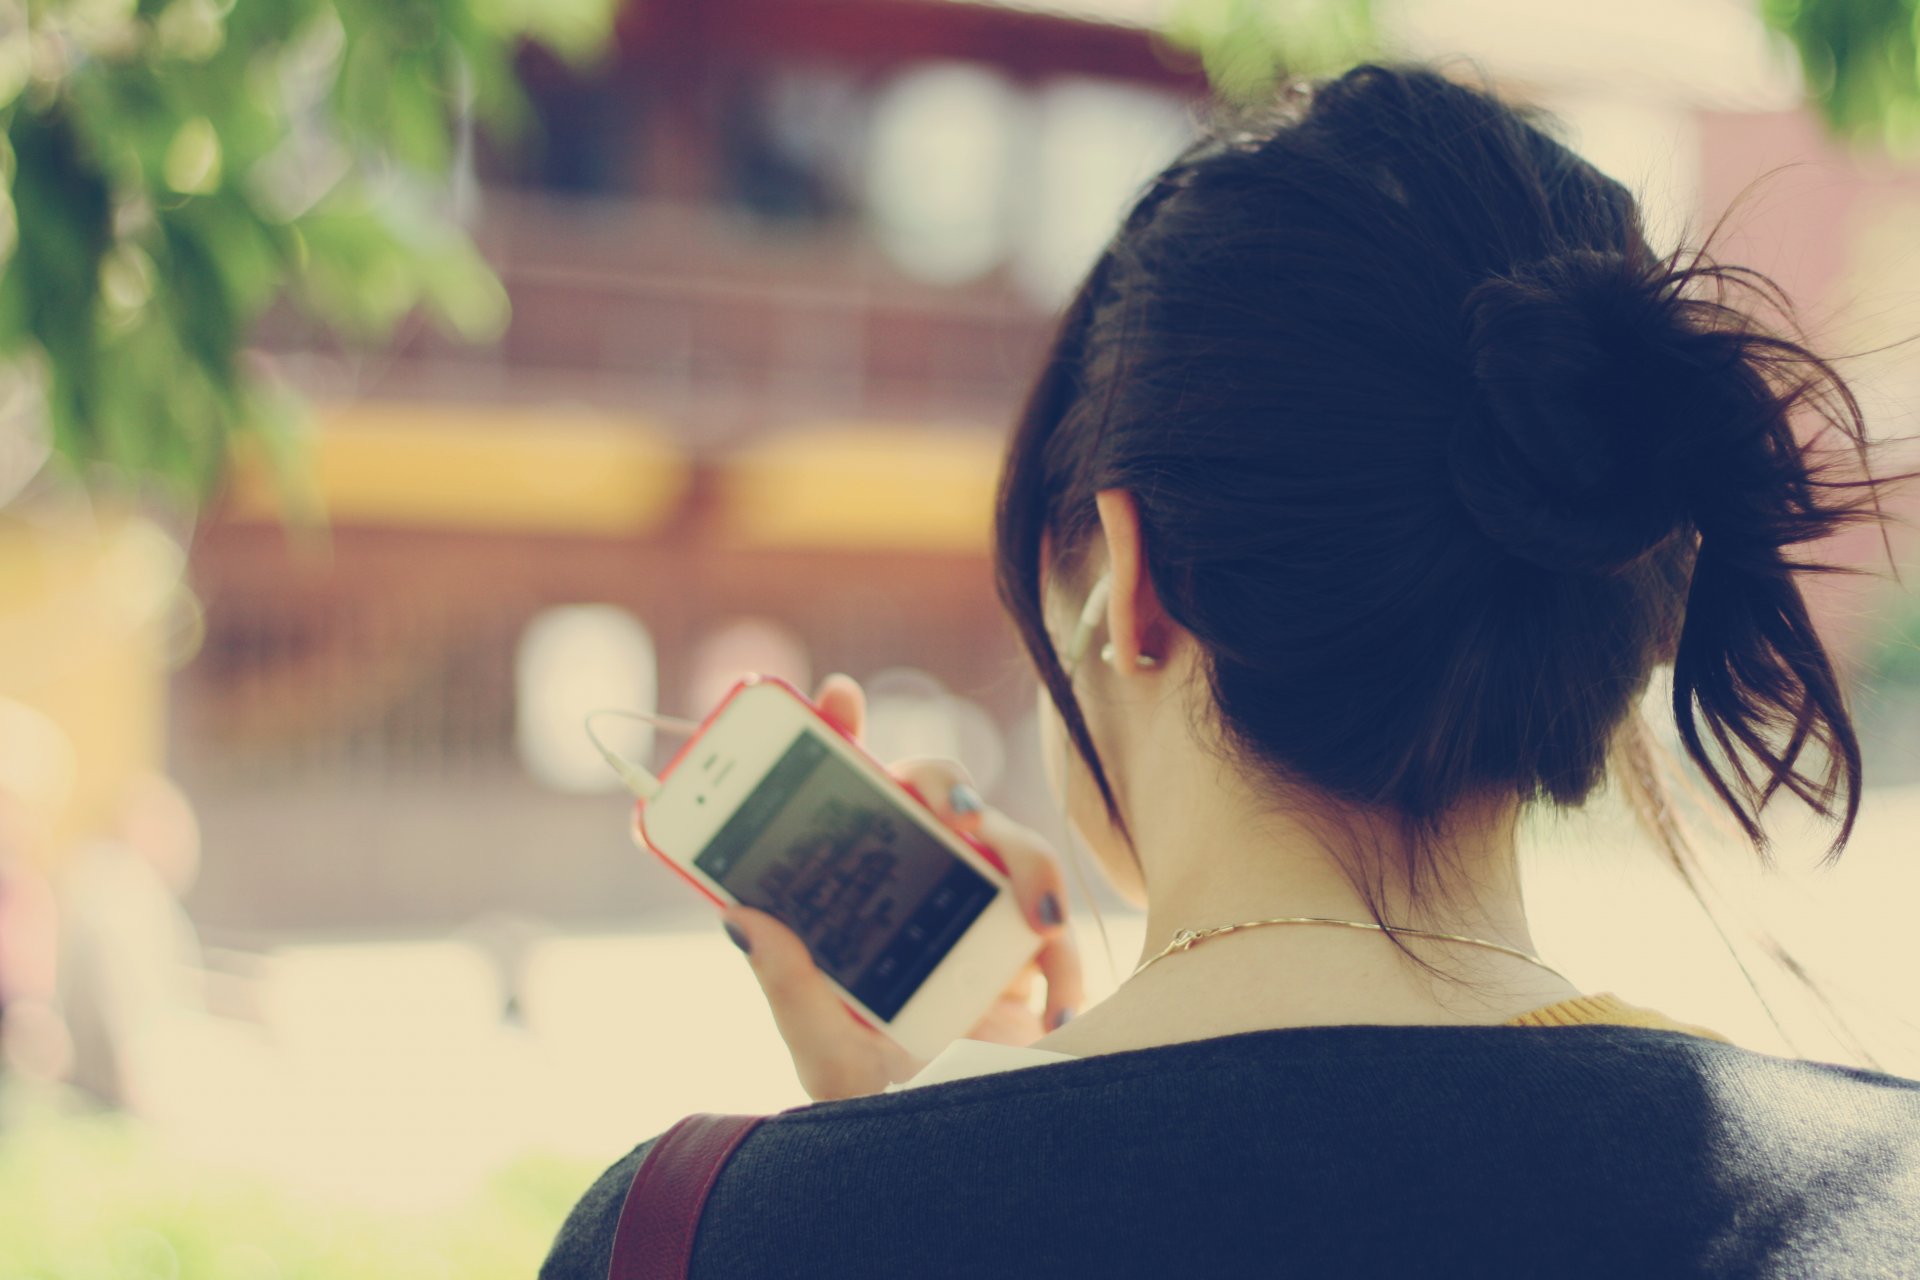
[(172, 167), (1861, 58), (1894, 656), (1249, 46), (93, 1196)]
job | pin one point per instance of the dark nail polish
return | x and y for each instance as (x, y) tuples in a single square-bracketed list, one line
[(1061, 1019), (1050, 910), (964, 799), (738, 938)]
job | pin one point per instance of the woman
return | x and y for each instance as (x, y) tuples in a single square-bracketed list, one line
[(1392, 461)]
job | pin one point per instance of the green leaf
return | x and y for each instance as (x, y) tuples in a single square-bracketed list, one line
[(1861, 61), (1248, 46), (577, 30), (192, 164), (63, 211), (180, 165)]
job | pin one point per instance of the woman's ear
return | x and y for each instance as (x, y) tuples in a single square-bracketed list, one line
[(1136, 624)]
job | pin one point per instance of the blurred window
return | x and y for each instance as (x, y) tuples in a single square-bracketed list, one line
[(791, 144), (735, 648), (1092, 148), (342, 690), (573, 660), (940, 169), (910, 714), (590, 135)]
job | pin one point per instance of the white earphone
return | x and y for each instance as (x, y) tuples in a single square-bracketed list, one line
[(1090, 616)]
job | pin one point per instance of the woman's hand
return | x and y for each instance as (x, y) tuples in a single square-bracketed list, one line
[(835, 1055)]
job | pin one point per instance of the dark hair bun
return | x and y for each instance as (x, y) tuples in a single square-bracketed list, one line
[(1437, 458), (1563, 457)]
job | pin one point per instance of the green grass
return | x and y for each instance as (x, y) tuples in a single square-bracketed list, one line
[(96, 1197)]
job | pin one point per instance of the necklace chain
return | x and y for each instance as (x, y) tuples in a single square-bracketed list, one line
[(1186, 939)]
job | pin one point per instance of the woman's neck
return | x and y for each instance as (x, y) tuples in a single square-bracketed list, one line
[(1305, 976), (1214, 853)]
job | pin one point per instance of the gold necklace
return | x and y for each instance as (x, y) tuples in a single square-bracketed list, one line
[(1185, 939)]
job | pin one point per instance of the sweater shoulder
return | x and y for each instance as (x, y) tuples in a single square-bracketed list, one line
[(583, 1248)]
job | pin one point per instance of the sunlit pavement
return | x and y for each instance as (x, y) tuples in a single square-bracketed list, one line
[(384, 1073)]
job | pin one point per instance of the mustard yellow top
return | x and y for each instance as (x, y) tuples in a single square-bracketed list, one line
[(1607, 1008), (964, 1058)]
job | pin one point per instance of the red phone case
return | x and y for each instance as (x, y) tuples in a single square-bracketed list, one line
[(639, 807)]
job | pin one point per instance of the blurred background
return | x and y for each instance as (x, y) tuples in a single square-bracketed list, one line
[(383, 387)]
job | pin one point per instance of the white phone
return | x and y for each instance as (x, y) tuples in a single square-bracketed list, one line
[(771, 805)]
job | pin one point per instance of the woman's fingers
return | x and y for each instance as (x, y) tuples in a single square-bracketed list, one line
[(1020, 990), (842, 700), (946, 787), (1043, 896), (1037, 883), (1009, 1021), (1059, 962), (834, 1054), (1031, 866)]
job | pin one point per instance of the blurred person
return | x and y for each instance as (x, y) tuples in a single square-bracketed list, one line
[(129, 957), (507, 943), (31, 1035), (1395, 460)]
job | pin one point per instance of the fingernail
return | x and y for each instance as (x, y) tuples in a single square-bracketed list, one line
[(1061, 1019), (963, 799), (1050, 910), (738, 938)]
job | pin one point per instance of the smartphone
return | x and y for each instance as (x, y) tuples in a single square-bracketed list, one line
[(771, 805)]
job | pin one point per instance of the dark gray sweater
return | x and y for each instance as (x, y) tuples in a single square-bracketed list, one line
[(1328, 1151)]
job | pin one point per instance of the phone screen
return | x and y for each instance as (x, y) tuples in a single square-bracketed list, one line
[(877, 900)]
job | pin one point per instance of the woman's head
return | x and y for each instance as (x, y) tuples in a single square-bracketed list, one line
[(1434, 459)]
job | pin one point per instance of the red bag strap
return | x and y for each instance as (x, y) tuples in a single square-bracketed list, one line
[(654, 1240)]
